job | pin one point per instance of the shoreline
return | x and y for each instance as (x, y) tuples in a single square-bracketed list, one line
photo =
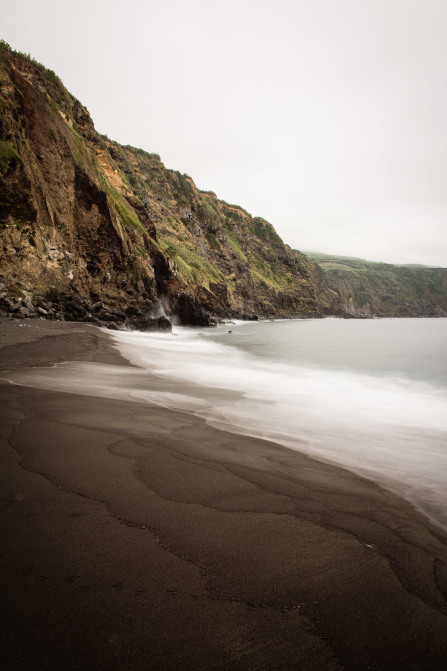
[(141, 537)]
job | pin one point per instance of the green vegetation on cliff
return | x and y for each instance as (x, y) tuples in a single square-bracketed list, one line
[(111, 222), (367, 288)]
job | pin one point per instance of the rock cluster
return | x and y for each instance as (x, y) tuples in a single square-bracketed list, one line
[(72, 307)]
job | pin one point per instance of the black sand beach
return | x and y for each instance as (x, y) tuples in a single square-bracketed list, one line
[(135, 537)]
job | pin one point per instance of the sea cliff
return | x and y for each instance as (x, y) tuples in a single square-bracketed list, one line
[(368, 289), (94, 231)]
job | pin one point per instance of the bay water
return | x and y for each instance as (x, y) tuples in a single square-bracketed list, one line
[(370, 395)]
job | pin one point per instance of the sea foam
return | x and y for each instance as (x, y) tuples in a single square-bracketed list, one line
[(389, 427)]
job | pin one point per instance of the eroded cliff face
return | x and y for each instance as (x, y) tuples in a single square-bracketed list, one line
[(95, 231), (366, 289)]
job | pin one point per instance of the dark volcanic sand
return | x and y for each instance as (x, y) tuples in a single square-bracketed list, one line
[(134, 537)]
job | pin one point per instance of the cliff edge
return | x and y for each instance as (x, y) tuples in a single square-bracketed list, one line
[(92, 230)]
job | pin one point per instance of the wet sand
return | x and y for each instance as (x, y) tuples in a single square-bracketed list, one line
[(135, 537)]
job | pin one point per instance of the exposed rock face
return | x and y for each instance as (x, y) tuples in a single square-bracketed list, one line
[(85, 221), (62, 240)]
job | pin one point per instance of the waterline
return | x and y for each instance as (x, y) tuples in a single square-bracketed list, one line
[(380, 419)]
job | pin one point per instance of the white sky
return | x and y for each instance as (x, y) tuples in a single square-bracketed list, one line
[(326, 117)]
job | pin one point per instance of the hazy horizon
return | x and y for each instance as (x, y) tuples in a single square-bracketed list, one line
[(325, 118)]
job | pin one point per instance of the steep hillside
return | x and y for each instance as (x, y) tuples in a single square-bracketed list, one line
[(92, 230), (369, 289)]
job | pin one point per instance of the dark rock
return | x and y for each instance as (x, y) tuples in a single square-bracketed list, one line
[(132, 310), (107, 317), (191, 313), (151, 324), (97, 307)]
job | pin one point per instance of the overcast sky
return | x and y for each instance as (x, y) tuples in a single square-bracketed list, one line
[(325, 117)]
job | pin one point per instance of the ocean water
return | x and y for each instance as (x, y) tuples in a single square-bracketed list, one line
[(370, 395)]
